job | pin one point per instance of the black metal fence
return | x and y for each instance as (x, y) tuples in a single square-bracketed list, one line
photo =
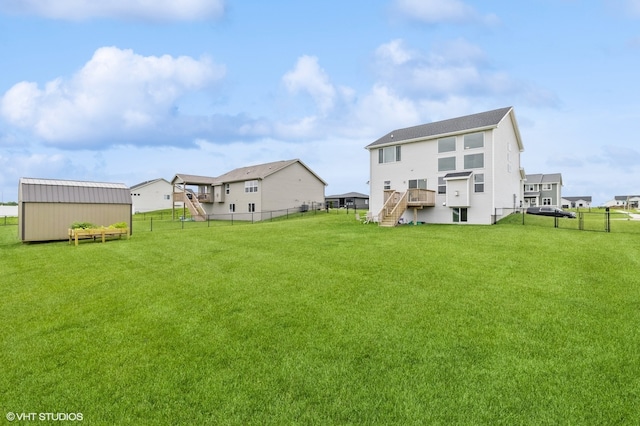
[(8, 220), (164, 220), (593, 219)]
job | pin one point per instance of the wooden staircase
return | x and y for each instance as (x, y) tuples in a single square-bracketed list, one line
[(393, 209), (195, 208)]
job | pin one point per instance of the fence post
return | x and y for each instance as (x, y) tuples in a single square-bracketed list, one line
[(607, 223), (151, 224)]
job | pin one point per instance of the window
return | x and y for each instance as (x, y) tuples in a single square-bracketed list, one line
[(459, 214), (389, 154), (442, 185), (418, 183), (232, 208), (226, 188), (473, 140), (478, 182), (546, 187), (447, 144), (387, 184), (167, 197), (474, 161), (546, 201), (530, 188), (251, 186), (252, 207), (446, 163)]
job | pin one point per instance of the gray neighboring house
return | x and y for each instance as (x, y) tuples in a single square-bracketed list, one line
[(350, 199), (151, 195), (48, 207), (576, 202), (543, 190), (252, 193)]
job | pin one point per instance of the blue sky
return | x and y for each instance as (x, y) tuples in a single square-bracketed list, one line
[(131, 90)]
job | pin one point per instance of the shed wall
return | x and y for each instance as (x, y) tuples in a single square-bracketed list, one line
[(51, 221)]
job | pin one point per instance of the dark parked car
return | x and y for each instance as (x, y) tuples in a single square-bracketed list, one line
[(550, 211)]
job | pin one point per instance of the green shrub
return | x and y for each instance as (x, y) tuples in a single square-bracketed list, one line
[(82, 225)]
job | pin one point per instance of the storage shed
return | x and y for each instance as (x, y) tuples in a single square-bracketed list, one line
[(47, 207)]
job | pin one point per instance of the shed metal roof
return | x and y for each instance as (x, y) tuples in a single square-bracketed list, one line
[(72, 191), (483, 120)]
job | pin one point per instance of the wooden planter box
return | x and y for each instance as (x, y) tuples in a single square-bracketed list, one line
[(76, 234)]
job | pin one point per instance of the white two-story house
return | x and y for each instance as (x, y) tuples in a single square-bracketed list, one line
[(461, 170)]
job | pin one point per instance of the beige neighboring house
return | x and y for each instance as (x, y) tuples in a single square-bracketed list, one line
[(151, 195), (48, 207), (251, 193)]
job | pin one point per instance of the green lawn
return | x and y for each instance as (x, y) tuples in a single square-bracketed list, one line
[(322, 320)]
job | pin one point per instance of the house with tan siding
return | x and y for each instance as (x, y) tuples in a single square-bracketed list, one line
[(252, 193)]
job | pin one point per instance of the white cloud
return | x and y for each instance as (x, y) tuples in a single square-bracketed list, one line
[(307, 76), (453, 68), (394, 52), (146, 10), (117, 95), (438, 11), (380, 111)]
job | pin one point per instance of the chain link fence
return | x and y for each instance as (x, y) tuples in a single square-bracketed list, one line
[(592, 219)]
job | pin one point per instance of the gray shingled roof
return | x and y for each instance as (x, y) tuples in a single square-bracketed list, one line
[(193, 179), (478, 121), (147, 182), (258, 171), (544, 178), (349, 195), (584, 197), (71, 191), (457, 175)]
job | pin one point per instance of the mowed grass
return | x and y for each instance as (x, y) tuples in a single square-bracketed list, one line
[(322, 320)]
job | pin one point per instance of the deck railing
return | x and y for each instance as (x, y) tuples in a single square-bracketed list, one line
[(399, 209), (423, 197)]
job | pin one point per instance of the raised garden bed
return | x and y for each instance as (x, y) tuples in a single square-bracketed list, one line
[(84, 233)]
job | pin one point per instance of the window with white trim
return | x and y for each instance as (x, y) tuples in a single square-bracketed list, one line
[(459, 214), (232, 208), (389, 154), (226, 188), (387, 184), (447, 144), (442, 185), (474, 161), (446, 164), (252, 207), (474, 140), (417, 184), (478, 182), (546, 201), (251, 186), (546, 187)]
